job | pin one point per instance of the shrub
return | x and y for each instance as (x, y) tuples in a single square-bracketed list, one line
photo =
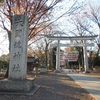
[(4, 64), (97, 61)]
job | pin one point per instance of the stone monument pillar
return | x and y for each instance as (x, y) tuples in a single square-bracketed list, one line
[(18, 52)]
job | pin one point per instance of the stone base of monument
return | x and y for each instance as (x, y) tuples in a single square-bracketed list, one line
[(43, 70), (18, 87)]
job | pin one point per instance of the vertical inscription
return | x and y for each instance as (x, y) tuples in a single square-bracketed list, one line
[(17, 44), (18, 54), (16, 68), (18, 21), (18, 26)]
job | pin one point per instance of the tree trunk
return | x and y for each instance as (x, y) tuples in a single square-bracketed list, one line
[(9, 38)]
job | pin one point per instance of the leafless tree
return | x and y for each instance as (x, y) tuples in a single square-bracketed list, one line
[(93, 13), (84, 26), (42, 48), (38, 12), (81, 26)]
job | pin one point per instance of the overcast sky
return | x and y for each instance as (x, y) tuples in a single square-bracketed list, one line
[(62, 23)]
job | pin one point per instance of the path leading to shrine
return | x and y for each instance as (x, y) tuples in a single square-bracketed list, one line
[(89, 82)]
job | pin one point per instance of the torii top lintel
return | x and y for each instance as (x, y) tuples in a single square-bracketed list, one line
[(72, 38)]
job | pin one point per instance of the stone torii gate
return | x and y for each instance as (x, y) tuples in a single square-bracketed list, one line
[(84, 44)]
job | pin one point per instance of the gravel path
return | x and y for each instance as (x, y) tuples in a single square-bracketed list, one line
[(54, 86)]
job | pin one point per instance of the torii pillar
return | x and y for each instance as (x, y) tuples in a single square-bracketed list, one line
[(58, 57), (86, 66)]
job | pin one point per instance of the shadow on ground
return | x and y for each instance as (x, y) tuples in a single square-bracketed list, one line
[(54, 86)]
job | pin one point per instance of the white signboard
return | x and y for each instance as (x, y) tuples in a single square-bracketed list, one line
[(72, 56)]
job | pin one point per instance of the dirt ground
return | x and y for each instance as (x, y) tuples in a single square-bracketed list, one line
[(54, 86)]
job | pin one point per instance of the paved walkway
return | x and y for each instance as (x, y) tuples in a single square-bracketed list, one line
[(88, 82)]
